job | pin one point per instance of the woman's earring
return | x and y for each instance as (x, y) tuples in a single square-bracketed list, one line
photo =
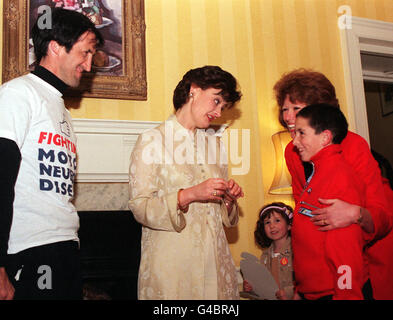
[(191, 94)]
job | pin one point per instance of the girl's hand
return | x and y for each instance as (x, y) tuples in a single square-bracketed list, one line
[(247, 286), (280, 294), (296, 296)]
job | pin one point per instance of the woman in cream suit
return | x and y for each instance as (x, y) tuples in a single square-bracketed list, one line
[(180, 193)]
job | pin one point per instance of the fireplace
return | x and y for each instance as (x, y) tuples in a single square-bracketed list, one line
[(109, 235), (110, 254)]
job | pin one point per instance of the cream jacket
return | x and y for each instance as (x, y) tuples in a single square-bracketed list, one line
[(182, 254)]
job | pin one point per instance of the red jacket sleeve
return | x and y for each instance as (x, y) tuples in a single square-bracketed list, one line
[(357, 153), (346, 264), (344, 246)]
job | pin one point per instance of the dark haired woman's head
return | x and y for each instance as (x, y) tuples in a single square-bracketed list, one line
[(306, 87), (205, 78), (65, 27), (275, 209)]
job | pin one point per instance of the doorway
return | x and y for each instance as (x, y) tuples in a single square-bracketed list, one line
[(378, 87), (368, 67)]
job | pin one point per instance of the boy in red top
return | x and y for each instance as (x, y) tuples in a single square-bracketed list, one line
[(327, 265), (294, 91)]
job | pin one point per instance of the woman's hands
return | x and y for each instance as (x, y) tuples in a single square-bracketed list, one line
[(214, 190), (210, 190), (233, 192), (341, 214)]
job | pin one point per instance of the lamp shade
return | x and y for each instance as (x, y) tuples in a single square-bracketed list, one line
[(282, 182)]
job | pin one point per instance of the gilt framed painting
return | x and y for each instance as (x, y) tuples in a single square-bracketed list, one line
[(118, 68)]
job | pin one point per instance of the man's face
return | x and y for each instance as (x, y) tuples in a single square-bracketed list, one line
[(74, 63), (306, 140)]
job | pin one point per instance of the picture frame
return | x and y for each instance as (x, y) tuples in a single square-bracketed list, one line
[(386, 96), (125, 75)]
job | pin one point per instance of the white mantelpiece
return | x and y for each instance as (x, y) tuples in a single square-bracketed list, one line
[(104, 148)]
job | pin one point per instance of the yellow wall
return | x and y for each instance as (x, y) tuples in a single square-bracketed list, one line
[(256, 40)]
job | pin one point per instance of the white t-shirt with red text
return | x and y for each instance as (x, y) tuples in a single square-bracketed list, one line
[(32, 113)]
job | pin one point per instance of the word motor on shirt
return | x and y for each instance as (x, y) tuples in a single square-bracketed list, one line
[(57, 167)]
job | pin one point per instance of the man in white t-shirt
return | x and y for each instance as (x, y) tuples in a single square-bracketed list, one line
[(39, 251)]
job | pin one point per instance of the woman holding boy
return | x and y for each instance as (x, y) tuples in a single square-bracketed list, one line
[(294, 91)]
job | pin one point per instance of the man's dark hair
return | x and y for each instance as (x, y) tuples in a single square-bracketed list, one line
[(207, 77), (323, 117), (66, 28)]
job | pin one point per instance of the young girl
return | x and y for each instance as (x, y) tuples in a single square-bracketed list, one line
[(272, 233)]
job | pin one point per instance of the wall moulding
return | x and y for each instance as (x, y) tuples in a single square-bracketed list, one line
[(364, 35), (104, 148)]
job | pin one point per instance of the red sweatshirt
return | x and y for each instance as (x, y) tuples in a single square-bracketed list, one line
[(380, 255), (330, 262), (357, 154)]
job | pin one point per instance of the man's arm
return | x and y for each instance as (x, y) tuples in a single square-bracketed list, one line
[(9, 167)]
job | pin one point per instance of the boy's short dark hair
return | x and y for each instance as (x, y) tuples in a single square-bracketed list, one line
[(207, 77), (323, 117), (66, 28)]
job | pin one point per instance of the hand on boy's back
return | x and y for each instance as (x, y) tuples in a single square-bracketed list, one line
[(337, 214)]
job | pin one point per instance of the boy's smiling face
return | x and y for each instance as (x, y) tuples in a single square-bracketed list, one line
[(306, 140)]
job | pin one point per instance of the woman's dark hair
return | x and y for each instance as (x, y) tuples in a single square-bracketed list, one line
[(306, 86), (323, 117), (284, 210), (207, 77), (65, 27)]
